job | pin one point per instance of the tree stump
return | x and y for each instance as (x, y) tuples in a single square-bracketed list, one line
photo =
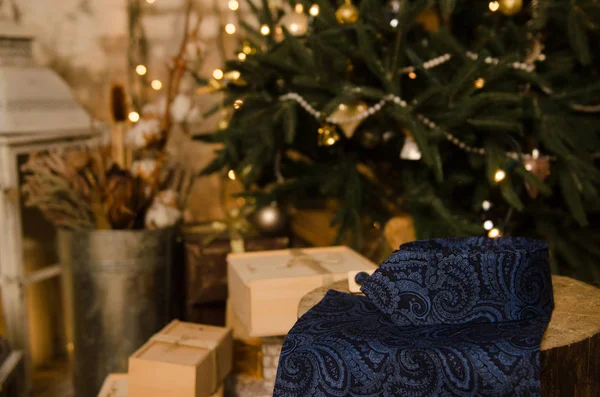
[(570, 360)]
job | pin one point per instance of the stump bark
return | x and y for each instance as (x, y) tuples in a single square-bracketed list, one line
[(570, 359)]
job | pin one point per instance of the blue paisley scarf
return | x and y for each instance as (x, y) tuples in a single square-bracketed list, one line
[(446, 317)]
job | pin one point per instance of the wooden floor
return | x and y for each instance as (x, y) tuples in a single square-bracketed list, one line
[(54, 382)]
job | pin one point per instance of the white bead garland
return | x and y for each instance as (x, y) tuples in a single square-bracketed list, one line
[(374, 109), (440, 60)]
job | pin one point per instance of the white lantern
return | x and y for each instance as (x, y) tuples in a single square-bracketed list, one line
[(37, 112)]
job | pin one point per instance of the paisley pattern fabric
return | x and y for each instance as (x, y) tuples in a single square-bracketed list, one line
[(447, 317)]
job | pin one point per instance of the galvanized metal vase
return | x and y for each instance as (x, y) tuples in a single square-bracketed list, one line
[(117, 289)]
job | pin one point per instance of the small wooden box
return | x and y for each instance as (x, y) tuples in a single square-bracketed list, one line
[(271, 350), (115, 385), (183, 360), (266, 287), (247, 351)]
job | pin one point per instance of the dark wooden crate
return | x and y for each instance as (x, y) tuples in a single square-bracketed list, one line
[(206, 264)]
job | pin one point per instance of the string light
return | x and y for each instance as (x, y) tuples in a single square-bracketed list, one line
[(488, 225), (314, 10), (494, 6), (134, 117), (535, 153), (494, 233), (233, 5), (265, 30), (499, 176), (394, 23), (529, 167), (156, 84), (486, 205), (218, 74), (247, 49), (231, 175), (412, 75), (242, 56), (230, 28), (238, 104), (141, 70), (479, 83)]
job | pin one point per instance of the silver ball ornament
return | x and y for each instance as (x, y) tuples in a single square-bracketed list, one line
[(270, 220)]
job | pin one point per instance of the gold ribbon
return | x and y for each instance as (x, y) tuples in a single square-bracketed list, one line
[(235, 225), (189, 341), (301, 258)]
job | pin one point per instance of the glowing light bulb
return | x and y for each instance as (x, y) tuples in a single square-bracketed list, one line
[(238, 104), (247, 50), (265, 30), (529, 167), (134, 117), (141, 70), (314, 10), (150, 1), (233, 5), (494, 233), (499, 176), (479, 83), (486, 205), (218, 74), (412, 75), (231, 175), (394, 23), (156, 84), (535, 153), (230, 28), (494, 6), (488, 225), (242, 56)]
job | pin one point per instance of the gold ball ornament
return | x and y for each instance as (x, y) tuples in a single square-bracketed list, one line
[(510, 7), (347, 13), (328, 135), (346, 111)]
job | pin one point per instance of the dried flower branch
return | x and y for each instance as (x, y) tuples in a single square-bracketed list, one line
[(85, 190)]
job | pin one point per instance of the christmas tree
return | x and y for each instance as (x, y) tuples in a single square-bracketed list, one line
[(475, 118)]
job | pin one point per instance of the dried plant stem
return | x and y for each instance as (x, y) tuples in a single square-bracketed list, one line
[(177, 69)]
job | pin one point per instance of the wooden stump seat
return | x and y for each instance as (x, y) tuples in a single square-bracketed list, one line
[(570, 359)]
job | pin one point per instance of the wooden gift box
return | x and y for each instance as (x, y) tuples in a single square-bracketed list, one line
[(182, 360), (247, 351), (271, 350), (266, 287), (206, 263), (115, 385)]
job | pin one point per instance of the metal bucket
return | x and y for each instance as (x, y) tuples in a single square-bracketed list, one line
[(117, 289)]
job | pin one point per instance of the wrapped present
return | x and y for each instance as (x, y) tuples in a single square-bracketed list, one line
[(247, 351), (115, 385), (271, 349), (266, 287), (182, 360), (206, 249)]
